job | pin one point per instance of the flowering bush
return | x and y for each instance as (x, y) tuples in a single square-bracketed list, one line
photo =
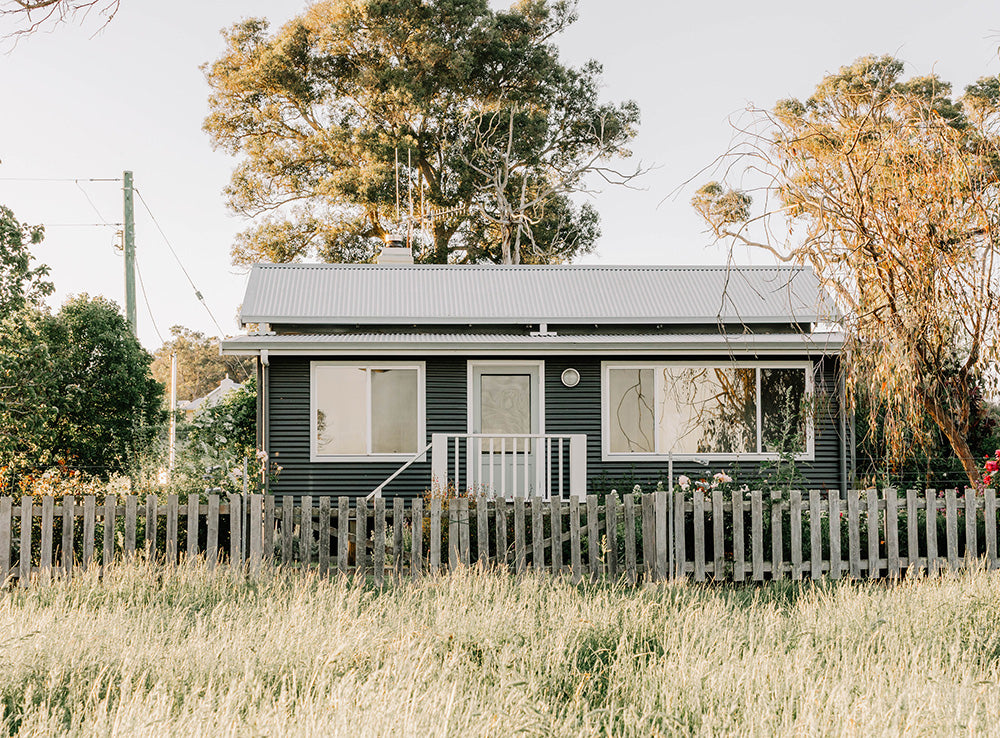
[(990, 467)]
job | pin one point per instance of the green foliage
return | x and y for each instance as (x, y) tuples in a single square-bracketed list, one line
[(21, 285), (76, 389), (217, 442), (500, 130)]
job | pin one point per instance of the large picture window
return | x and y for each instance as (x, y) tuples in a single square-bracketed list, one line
[(366, 411), (724, 410)]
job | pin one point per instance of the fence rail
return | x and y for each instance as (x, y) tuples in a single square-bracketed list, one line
[(707, 535)]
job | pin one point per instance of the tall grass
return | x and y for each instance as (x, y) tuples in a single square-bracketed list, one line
[(145, 652)]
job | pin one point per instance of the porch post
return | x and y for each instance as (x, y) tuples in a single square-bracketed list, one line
[(439, 460), (578, 465)]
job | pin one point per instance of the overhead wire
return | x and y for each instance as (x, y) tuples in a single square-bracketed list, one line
[(145, 299), (197, 292), (60, 179)]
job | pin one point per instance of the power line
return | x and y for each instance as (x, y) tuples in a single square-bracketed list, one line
[(166, 240), (60, 179), (81, 225), (145, 298), (91, 203)]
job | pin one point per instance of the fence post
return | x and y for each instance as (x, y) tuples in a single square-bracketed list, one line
[(27, 513), (257, 532)]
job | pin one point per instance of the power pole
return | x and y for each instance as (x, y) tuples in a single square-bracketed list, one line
[(173, 411), (130, 254)]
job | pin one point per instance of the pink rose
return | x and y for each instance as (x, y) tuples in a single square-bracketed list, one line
[(992, 466)]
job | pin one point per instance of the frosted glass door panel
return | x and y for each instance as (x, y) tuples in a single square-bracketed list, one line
[(505, 403)]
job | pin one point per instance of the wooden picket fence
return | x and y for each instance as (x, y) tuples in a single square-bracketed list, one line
[(703, 535)]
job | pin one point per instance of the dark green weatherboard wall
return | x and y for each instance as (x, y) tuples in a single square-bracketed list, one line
[(567, 410)]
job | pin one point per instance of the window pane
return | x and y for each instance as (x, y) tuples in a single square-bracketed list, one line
[(505, 403), (782, 392), (394, 411), (708, 410), (630, 410), (341, 410)]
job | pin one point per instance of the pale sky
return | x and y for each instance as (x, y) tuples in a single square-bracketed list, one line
[(79, 105)]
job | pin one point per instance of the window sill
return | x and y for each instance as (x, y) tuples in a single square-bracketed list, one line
[(699, 458), (366, 459)]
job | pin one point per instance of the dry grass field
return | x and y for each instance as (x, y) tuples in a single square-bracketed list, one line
[(191, 653)]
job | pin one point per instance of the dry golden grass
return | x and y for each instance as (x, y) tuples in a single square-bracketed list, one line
[(191, 653)]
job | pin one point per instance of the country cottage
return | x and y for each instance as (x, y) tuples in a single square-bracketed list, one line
[(540, 380)]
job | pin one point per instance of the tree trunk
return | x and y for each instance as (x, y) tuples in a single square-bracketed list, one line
[(957, 437)]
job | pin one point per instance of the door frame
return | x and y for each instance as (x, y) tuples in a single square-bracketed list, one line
[(474, 364)]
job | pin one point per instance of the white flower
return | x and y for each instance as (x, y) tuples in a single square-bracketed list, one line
[(637, 490), (722, 478), (684, 482), (262, 455)]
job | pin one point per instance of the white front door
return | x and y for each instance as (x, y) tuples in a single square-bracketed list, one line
[(506, 409)]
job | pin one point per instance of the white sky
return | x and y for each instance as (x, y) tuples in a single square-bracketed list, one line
[(75, 105)]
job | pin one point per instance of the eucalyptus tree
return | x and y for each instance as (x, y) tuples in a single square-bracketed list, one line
[(888, 187), (354, 109)]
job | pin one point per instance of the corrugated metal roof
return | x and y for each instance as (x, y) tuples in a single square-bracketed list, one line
[(435, 294), (426, 342)]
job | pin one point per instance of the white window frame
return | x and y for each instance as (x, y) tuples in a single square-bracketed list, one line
[(421, 368), (606, 366)]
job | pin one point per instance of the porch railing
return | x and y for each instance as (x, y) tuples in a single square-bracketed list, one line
[(544, 465)]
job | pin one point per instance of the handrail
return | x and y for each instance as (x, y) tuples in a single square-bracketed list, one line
[(377, 492)]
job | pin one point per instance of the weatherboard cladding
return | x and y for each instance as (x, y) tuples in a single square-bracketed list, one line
[(567, 410), (366, 294)]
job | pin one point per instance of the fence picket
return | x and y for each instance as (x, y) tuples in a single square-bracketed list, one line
[(152, 521), (397, 536), (464, 544), (815, 535), (108, 539), (951, 527), (574, 539), (436, 534), (718, 536), (27, 514), (89, 525), (871, 506), (287, 528), (739, 554), (611, 532), (990, 521), (378, 541), (912, 541), (500, 510), (757, 534), (630, 567), (648, 536), (853, 533), (305, 531), (212, 532), (193, 513), (593, 539), (343, 534), (971, 514), (483, 530), (892, 532), (777, 567), (416, 537), (795, 530), (267, 536), (6, 528), (453, 534), (256, 522), (171, 537), (661, 503), (836, 567), (68, 532), (131, 514), (45, 540), (361, 537), (537, 535), (555, 526), (930, 524), (235, 530), (698, 521), (519, 542)]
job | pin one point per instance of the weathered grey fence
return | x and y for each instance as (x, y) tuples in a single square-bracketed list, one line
[(704, 535)]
